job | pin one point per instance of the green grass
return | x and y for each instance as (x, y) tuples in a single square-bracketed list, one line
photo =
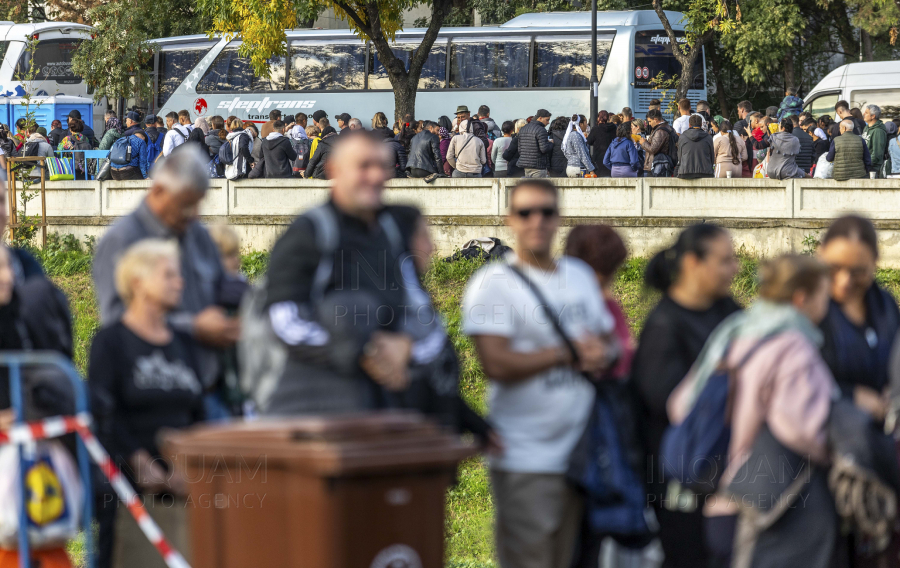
[(469, 534)]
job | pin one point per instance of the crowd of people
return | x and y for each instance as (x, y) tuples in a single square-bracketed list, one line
[(781, 143), (569, 383)]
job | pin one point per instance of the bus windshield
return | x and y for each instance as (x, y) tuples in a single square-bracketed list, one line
[(52, 60), (653, 55)]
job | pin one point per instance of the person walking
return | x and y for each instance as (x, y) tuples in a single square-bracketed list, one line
[(536, 379), (731, 152), (599, 138), (425, 152), (849, 153), (695, 276), (466, 154), (875, 137), (784, 148), (622, 157), (575, 148), (501, 165), (696, 153), (535, 146), (143, 377), (783, 395)]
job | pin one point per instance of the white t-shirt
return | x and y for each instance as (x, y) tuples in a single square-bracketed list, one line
[(173, 139), (682, 123), (540, 419)]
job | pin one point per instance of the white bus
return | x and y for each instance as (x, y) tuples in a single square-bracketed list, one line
[(56, 42), (533, 61), (860, 84)]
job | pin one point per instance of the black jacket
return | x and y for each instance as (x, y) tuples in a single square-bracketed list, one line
[(56, 135), (213, 142), (383, 132), (425, 152), (535, 146), (316, 166), (696, 155), (599, 139), (805, 157), (558, 161), (397, 156), (511, 155), (278, 155)]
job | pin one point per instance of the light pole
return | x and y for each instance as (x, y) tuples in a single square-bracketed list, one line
[(592, 119)]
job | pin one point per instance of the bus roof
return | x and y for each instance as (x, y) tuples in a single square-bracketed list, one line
[(550, 21), (20, 32)]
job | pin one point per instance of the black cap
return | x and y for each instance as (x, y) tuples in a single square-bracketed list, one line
[(343, 117), (150, 119), (542, 113), (75, 114), (133, 116), (319, 115)]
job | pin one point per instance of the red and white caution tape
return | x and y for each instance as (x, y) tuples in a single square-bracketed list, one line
[(60, 425)]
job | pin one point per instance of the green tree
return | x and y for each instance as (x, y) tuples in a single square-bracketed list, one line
[(261, 25)]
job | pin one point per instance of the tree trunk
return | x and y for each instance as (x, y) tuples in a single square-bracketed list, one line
[(790, 81), (717, 72), (404, 100), (686, 59), (849, 44), (868, 55)]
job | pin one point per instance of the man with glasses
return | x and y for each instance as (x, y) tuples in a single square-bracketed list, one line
[(540, 399)]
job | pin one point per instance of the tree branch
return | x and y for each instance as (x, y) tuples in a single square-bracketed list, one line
[(657, 7), (351, 13), (439, 11)]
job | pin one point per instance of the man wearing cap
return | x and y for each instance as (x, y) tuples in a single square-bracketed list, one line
[(343, 121), (269, 127), (319, 115), (153, 134), (462, 113), (535, 145), (88, 132)]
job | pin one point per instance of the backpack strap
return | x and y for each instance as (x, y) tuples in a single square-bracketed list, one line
[(325, 227)]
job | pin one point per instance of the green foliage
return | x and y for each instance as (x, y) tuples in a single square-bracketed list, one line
[(254, 264), (118, 61), (769, 29), (810, 244), (65, 255)]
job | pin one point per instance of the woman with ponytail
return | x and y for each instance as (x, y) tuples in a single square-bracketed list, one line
[(731, 152), (694, 276)]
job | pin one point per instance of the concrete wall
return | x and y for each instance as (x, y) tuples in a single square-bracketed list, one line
[(767, 217)]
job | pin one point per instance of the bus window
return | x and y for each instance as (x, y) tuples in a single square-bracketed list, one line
[(53, 59), (485, 64), (4, 46), (432, 76), (233, 72), (653, 53), (564, 61), (823, 105), (174, 66), (328, 67), (888, 100)]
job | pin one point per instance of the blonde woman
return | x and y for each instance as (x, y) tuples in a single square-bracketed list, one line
[(380, 126), (143, 378)]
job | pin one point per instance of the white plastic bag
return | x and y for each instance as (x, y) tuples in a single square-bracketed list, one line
[(54, 495), (824, 168)]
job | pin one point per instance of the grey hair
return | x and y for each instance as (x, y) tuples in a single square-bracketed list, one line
[(874, 111), (184, 169), (848, 125), (355, 122)]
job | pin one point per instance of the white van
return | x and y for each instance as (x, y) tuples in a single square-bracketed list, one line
[(57, 42), (859, 84)]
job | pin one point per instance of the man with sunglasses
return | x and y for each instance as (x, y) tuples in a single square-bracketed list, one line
[(517, 312)]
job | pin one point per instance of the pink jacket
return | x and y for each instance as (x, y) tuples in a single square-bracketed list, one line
[(785, 385)]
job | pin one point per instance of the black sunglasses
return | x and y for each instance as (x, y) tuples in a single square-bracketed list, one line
[(546, 212)]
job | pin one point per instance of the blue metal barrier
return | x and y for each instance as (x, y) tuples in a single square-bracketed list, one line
[(98, 155), (14, 361)]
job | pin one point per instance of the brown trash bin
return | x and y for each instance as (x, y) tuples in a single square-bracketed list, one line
[(361, 491)]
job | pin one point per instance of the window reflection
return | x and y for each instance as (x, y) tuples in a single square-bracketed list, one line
[(174, 66), (333, 67), (432, 72), (233, 72), (567, 63), (489, 65)]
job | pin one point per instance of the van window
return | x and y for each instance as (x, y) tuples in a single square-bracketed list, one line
[(823, 104), (432, 76), (564, 61), (887, 99), (328, 67), (488, 64), (53, 61), (4, 47), (174, 67)]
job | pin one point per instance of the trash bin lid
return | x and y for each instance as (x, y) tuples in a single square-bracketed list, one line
[(325, 445)]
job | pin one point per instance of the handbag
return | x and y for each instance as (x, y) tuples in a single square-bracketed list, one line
[(53, 501), (104, 170), (60, 170), (601, 465)]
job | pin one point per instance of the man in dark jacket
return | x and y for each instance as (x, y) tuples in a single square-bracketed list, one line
[(425, 152), (213, 142), (696, 155), (805, 157), (842, 109), (535, 146), (316, 167), (599, 138), (88, 132), (661, 137), (278, 153)]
